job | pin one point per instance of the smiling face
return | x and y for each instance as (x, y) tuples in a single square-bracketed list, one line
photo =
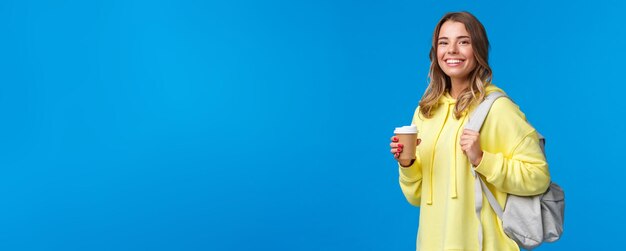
[(455, 54)]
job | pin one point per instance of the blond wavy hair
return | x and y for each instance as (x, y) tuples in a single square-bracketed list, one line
[(480, 77)]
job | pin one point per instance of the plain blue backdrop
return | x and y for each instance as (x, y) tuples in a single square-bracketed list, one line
[(264, 125)]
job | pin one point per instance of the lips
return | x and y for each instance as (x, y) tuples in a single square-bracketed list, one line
[(454, 61)]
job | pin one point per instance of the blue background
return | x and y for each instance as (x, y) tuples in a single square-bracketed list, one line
[(264, 125)]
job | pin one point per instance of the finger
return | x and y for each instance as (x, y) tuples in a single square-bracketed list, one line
[(394, 139), (396, 150), (418, 142), (466, 141), (464, 148), (470, 132), (394, 145), (397, 155), (468, 137)]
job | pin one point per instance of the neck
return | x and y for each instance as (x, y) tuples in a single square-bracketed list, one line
[(458, 85)]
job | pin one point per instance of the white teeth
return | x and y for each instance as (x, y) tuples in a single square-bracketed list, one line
[(453, 61)]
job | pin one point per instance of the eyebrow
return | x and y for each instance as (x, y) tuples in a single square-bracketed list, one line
[(459, 37)]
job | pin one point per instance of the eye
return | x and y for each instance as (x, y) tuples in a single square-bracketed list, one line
[(465, 42), (442, 43)]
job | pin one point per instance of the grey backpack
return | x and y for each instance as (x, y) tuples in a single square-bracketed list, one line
[(528, 220)]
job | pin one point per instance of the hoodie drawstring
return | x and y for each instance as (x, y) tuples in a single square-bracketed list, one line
[(454, 169), (432, 157), (454, 183)]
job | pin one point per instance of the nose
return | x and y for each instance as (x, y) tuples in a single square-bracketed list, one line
[(452, 49)]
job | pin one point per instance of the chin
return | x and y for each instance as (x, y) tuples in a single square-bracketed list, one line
[(456, 75)]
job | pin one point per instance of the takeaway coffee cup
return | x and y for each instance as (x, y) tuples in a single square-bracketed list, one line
[(407, 136)]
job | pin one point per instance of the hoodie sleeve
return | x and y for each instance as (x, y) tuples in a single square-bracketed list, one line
[(512, 157), (411, 176), (411, 182)]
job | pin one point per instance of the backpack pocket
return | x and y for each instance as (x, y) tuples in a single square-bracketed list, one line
[(522, 220), (553, 212)]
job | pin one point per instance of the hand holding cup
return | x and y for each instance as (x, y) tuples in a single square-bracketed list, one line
[(403, 144)]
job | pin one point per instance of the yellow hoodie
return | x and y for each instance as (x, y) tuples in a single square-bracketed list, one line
[(440, 181)]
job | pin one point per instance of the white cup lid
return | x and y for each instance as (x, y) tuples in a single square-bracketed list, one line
[(406, 130)]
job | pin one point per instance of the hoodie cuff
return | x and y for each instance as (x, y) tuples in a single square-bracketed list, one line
[(490, 164), (410, 173)]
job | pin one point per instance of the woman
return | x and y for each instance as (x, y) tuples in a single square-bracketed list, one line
[(506, 152)]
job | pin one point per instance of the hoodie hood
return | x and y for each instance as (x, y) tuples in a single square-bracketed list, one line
[(447, 99)]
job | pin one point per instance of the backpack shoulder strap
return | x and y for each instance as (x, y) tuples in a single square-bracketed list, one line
[(475, 122), (477, 118)]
